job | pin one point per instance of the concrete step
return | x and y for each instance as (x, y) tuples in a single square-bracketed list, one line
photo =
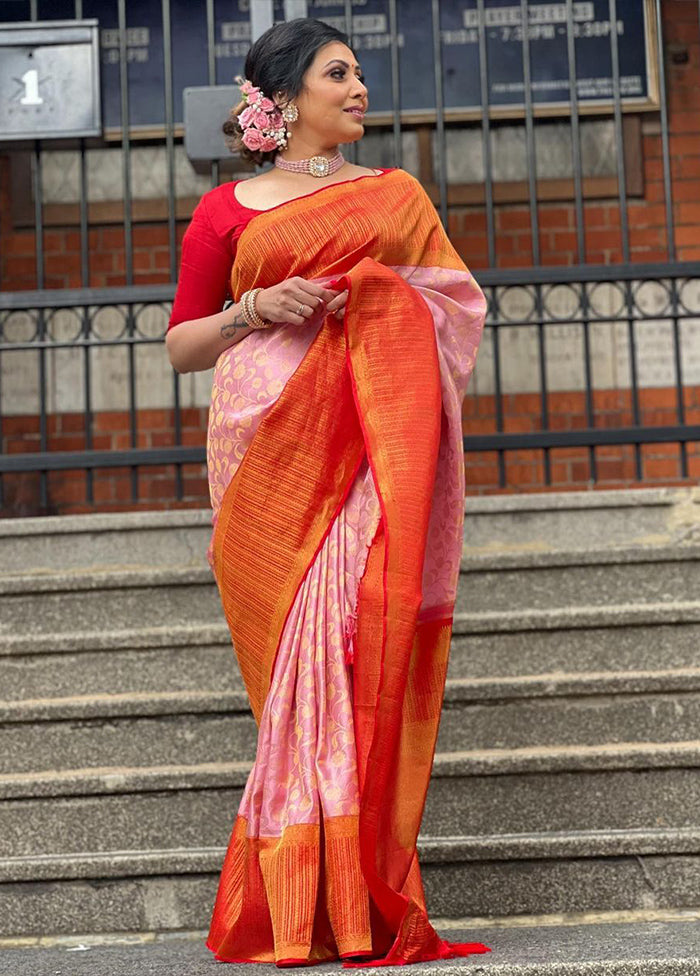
[(136, 540), (168, 889), (593, 577), (55, 604), (190, 727), (662, 943), (156, 670), (581, 519), (144, 808), (602, 519), (584, 639), (192, 657)]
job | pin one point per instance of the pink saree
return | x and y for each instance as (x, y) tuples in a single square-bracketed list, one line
[(337, 486)]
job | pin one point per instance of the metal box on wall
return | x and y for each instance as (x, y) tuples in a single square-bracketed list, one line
[(49, 80)]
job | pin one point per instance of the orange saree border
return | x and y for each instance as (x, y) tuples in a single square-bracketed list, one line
[(375, 387), (281, 504), (280, 891)]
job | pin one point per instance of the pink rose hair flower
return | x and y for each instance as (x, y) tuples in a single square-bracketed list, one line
[(261, 121)]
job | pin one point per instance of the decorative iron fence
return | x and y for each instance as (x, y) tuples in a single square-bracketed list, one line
[(589, 314)]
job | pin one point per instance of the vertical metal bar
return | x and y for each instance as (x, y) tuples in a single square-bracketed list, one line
[(41, 322), (498, 393), (575, 133), (211, 71), (85, 282), (486, 133), (133, 417), (577, 167), (2, 484), (530, 133), (261, 18), (619, 141), (128, 234), (668, 194), (351, 148), (170, 155), (590, 411), (670, 234), (126, 164), (395, 83), (542, 352), (678, 372), (624, 224), (33, 12), (87, 382), (294, 9), (169, 134), (440, 112)]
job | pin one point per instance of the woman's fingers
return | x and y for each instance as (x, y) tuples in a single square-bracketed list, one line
[(313, 291), (338, 302)]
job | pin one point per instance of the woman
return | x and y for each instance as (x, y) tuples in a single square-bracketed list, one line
[(337, 486)]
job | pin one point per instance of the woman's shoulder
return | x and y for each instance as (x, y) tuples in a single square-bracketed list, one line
[(219, 208)]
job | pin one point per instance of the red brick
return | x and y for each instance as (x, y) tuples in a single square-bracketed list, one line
[(19, 266), (61, 241), (684, 122), (161, 258), (688, 235), (512, 219), (160, 278), (112, 238), (646, 215), (62, 264), (20, 243), (685, 190), (556, 218), (661, 468), (151, 235), (603, 239)]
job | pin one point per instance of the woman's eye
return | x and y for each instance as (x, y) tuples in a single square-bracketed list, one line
[(339, 73)]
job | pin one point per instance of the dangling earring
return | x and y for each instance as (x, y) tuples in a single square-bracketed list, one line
[(290, 113)]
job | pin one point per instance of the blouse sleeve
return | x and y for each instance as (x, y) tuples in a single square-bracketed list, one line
[(205, 269)]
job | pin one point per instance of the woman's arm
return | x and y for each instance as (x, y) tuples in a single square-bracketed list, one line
[(197, 344)]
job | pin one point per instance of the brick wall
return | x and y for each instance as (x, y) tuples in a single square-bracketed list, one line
[(467, 226), (112, 487)]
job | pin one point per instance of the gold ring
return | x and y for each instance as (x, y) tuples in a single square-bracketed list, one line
[(300, 310)]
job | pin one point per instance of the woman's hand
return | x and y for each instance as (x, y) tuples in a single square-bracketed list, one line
[(283, 302), (337, 306)]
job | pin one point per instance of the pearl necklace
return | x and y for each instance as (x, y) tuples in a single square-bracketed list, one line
[(316, 165)]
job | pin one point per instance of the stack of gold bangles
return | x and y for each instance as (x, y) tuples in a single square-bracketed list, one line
[(250, 313)]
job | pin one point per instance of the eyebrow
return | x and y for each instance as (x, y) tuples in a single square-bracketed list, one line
[(340, 61)]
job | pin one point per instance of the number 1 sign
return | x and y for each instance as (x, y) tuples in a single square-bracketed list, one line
[(49, 80)]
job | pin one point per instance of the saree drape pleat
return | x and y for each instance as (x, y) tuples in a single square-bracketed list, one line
[(337, 484)]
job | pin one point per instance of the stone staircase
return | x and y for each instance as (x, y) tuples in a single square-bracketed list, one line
[(566, 783)]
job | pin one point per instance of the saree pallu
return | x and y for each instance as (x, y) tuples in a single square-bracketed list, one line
[(337, 485)]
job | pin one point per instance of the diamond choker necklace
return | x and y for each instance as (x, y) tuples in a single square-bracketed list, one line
[(316, 165)]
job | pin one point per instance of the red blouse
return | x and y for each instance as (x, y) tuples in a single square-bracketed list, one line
[(208, 252)]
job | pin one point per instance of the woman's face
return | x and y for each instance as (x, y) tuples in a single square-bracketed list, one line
[(333, 100)]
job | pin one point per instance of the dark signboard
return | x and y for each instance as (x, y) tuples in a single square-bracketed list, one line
[(49, 80), (371, 41)]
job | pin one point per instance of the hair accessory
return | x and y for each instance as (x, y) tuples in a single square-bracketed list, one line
[(261, 120), (250, 313), (316, 165)]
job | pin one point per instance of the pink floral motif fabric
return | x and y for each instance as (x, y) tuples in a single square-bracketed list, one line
[(306, 760)]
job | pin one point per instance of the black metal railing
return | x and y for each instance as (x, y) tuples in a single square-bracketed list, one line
[(536, 286)]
